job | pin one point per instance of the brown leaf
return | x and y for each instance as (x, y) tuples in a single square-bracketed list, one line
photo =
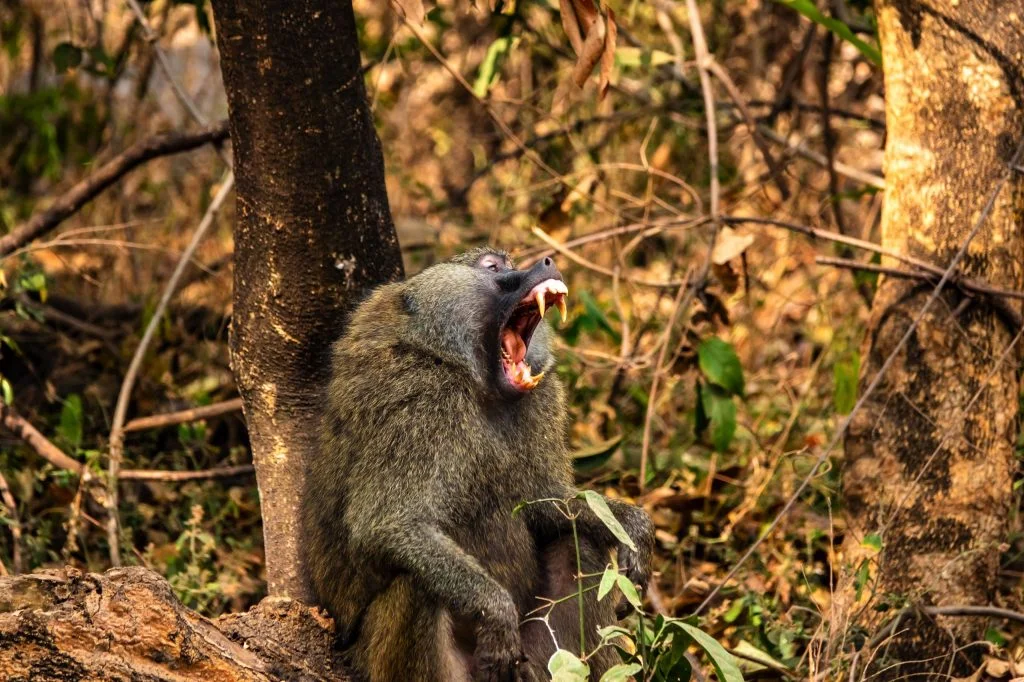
[(412, 10), (571, 25), (608, 56), (593, 47), (730, 244), (586, 11)]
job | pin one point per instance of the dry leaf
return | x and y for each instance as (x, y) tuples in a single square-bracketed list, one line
[(571, 25), (593, 48), (608, 56), (730, 244)]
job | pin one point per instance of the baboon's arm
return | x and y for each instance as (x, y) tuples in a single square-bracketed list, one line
[(439, 567)]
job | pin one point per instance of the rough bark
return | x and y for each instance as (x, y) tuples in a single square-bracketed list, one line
[(66, 626), (314, 231), (933, 480)]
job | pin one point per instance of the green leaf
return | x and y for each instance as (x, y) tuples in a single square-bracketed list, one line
[(487, 75), (721, 366), (810, 10), (70, 429), (564, 666), (593, 456), (845, 374), (599, 506), (721, 412), (863, 575), (7, 390), (991, 635), (596, 317), (872, 540), (608, 579), (621, 672), (764, 660), (722, 660), (629, 591), (672, 664), (609, 631), (66, 56)]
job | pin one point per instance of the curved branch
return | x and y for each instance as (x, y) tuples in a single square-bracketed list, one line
[(71, 201)]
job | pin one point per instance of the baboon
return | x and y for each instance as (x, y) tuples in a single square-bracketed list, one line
[(442, 415)]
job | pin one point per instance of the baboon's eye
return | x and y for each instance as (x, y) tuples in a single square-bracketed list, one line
[(491, 262)]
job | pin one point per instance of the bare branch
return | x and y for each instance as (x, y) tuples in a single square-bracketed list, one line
[(157, 421), (179, 476), (17, 425), (124, 395), (71, 201)]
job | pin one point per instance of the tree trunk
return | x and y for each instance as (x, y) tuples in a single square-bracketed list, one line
[(926, 469), (314, 231)]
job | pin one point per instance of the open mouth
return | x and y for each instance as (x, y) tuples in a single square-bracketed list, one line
[(516, 334)]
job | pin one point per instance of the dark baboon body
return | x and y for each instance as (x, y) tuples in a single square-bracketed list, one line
[(435, 429)]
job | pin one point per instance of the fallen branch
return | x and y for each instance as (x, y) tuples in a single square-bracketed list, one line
[(157, 421), (71, 201), (127, 624)]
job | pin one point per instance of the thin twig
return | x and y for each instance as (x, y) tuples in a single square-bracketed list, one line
[(911, 330), (124, 396), (600, 269), (647, 228), (971, 285), (971, 611), (835, 237), (843, 169), (734, 94), (84, 191), (13, 522), (21, 428), (60, 317), (157, 421), (704, 58), (179, 476)]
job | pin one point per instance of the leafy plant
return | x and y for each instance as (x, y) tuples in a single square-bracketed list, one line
[(650, 650), (723, 374)]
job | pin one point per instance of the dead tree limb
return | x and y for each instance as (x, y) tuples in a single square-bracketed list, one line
[(126, 624)]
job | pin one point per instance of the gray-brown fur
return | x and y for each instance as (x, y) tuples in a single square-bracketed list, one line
[(410, 539)]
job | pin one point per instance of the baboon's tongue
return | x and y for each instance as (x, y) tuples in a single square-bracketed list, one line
[(513, 344)]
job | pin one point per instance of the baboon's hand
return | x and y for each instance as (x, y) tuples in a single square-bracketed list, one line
[(640, 528), (499, 653)]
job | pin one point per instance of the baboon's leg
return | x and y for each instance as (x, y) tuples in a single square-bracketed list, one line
[(558, 577), (405, 637)]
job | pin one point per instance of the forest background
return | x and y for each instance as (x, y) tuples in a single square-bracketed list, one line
[(724, 269)]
